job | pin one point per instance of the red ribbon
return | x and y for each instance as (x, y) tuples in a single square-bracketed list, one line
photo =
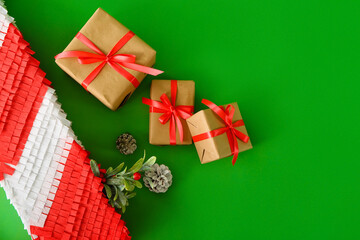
[(116, 61), (170, 112), (5, 169), (232, 133)]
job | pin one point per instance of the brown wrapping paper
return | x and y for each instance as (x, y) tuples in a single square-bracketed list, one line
[(159, 134), (110, 87), (212, 149)]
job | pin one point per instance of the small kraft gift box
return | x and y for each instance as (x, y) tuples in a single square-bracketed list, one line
[(218, 132), (171, 103), (107, 59)]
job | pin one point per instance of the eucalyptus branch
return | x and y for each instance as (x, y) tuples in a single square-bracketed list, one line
[(119, 183)]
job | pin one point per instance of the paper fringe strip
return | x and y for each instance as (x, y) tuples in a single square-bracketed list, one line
[(44, 170)]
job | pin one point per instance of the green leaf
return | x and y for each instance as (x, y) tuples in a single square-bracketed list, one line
[(123, 209), (123, 171), (115, 181), (136, 167), (108, 170), (128, 186), (151, 161), (116, 193), (145, 168), (122, 198), (144, 155), (121, 187), (108, 191), (121, 206), (95, 168), (117, 204), (116, 170), (138, 184), (111, 202), (131, 195)]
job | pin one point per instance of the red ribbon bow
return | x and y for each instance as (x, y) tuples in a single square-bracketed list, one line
[(232, 133), (5, 169), (170, 112), (116, 61)]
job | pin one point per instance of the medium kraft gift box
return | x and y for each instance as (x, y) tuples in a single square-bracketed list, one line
[(159, 133), (109, 86), (218, 147)]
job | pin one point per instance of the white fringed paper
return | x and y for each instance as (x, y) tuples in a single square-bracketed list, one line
[(33, 185), (5, 20)]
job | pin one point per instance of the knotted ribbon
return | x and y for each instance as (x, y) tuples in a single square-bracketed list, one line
[(232, 133), (171, 112), (116, 61), (5, 169)]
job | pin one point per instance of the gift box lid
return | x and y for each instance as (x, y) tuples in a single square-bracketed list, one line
[(212, 149), (159, 133), (110, 87)]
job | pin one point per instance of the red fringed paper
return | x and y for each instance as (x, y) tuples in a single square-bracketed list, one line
[(22, 96)]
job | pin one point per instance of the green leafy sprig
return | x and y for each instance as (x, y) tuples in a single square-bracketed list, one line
[(119, 183)]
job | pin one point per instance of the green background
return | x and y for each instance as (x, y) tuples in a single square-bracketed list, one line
[(292, 66)]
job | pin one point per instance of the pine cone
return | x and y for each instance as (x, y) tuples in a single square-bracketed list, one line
[(126, 143), (158, 179)]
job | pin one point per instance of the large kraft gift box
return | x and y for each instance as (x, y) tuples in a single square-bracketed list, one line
[(109, 86), (218, 147), (159, 133)]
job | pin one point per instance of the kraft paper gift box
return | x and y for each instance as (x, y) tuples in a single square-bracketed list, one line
[(214, 148), (159, 134), (109, 86)]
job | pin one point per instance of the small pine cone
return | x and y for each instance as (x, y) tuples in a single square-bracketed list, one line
[(126, 144), (158, 179)]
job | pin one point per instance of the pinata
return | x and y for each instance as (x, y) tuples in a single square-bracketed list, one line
[(44, 169)]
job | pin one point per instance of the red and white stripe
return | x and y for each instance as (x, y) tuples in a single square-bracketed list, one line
[(44, 170)]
